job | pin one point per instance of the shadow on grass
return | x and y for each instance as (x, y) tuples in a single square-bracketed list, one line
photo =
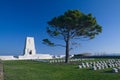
[(109, 71)]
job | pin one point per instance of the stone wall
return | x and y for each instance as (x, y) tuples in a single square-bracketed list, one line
[(7, 58)]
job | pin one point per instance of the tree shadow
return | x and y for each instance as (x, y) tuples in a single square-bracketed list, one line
[(109, 71)]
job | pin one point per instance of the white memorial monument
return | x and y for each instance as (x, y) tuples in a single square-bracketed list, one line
[(29, 46), (28, 53)]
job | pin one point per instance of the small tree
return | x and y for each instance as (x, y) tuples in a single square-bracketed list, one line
[(73, 24)]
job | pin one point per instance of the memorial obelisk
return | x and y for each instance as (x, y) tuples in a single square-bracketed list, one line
[(29, 47)]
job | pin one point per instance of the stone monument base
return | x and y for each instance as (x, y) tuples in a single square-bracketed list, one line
[(27, 57), (36, 56)]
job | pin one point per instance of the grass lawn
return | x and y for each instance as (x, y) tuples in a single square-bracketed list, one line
[(31, 70)]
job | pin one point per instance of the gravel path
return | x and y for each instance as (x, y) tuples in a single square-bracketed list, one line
[(1, 71)]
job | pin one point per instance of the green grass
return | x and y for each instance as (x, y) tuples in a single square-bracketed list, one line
[(30, 70)]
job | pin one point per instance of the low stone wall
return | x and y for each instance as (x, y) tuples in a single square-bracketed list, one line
[(1, 71)]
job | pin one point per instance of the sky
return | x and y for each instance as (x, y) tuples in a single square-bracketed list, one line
[(22, 18)]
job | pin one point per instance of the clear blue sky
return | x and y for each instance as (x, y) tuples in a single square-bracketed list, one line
[(22, 18)]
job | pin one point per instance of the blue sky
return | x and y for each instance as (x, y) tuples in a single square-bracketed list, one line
[(22, 18)]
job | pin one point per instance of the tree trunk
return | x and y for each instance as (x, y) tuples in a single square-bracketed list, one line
[(67, 51)]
